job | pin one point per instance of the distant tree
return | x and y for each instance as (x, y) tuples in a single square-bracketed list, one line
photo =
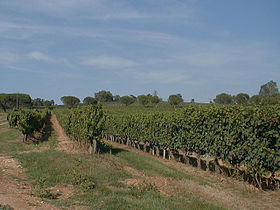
[(143, 100), (14, 100), (38, 102), (155, 99), (192, 101), (241, 99), (175, 100), (116, 98), (48, 103), (70, 101), (127, 100), (223, 98), (104, 96), (269, 89), (256, 100), (89, 100), (271, 100)]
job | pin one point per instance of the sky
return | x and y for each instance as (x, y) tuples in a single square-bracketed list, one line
[(198, 48)]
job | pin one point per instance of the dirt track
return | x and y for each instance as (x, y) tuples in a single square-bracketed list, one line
[(64, 143)]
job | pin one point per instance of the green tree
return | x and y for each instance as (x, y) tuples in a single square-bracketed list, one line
[(116, 98), (15, 100), (104, 96), (241, 98), (89, 100), (269, 89), (48, 103), (271, 100), (223, 98), (155, 99), (38, 102), (143, 99), (127, 100), (70, 101), (256, 100), (175, 100)]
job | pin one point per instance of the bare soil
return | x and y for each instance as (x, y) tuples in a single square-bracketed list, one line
[(64, 143), (15, 193)]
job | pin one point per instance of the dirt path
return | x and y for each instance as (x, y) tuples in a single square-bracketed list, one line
[(64, 143), (15, 193), (226, 191)]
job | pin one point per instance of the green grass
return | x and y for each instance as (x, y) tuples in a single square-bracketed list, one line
[(10, 141), (151, 167), (97, 179)]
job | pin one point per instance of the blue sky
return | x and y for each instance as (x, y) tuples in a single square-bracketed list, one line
[(199, 48)]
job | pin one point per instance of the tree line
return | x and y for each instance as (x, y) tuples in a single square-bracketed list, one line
[(268, 95), (20, 100), (106, 96)]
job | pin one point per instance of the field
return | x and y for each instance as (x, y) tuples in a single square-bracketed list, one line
[(53, 172)]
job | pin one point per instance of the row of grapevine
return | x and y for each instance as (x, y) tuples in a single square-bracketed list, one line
[(237, 135), (84, 125), (28, 121)]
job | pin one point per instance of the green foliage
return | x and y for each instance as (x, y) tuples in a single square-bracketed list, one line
[(38, 102), (28, 121), (70, 101), (104, 96), (48, 103), (269, 89), (175, 100), (116, 98), (143, 100), (241, 98), (5, 207), (248, 136), (89, 100), (83, 124), (127, 100), (271, 100), (256, 100), (155, 99), (223, 98), (14, 100)]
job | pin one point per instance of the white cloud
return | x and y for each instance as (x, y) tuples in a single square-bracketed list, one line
[(43, 57), (109, 62)]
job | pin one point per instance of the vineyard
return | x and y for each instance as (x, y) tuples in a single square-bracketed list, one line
[(84, 125), (244, 138), (28, 121), (209, 137)]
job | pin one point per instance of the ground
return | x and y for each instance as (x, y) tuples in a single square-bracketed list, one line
[(53, 172)]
